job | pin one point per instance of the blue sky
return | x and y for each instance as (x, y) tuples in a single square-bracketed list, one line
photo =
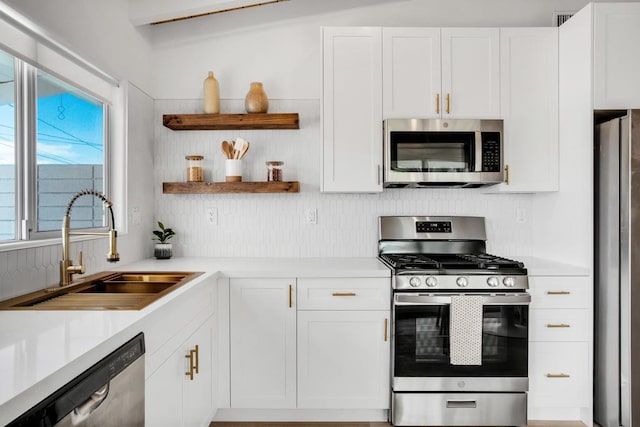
[(70, 131)]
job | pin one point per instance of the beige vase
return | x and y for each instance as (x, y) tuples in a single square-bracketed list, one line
[(211, 95), (256, 100)]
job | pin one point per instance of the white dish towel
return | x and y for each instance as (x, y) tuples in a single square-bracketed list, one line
[(465, 330)]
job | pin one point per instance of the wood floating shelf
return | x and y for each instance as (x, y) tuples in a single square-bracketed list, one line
[(230, 187), (231, 121)]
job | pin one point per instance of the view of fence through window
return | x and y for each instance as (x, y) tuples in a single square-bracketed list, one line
[(69, 152)]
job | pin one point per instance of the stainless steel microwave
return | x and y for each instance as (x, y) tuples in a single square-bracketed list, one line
[(442, 153)]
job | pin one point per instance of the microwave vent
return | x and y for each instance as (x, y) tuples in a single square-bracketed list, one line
[(560, 18)]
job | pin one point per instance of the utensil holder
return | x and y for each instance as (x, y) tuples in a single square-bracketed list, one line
[(233, 170)]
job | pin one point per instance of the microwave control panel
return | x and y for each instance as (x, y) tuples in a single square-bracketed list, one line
[(491, 154)]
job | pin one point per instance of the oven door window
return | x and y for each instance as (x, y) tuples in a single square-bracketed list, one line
[(432, 151), (422, 342)]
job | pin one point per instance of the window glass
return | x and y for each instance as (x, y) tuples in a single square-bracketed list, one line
[(7, 148), (70, 154)]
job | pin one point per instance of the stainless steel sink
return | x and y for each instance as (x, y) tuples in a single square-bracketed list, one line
[(104, 291)]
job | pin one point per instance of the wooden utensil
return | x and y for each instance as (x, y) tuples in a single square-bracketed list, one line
[(244, 150), (226, 149)]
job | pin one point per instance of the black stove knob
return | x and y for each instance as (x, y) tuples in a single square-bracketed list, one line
[(431, 281), (462, 282), (414, 281)]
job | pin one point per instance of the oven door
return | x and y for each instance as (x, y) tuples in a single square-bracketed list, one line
[(421, 359)]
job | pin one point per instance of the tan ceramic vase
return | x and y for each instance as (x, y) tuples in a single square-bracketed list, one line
[(256, 100), (211, 95)]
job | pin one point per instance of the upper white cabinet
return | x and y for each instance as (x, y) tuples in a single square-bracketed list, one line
[(441, 73), (529, 82), (616, 63), (351, 109)]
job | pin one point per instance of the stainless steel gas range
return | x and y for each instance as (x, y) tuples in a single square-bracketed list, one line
[(460, 324)]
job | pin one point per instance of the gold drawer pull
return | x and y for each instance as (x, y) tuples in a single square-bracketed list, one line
[(290, 296), (197, 363), (448, 103), (386, 322), (558, 292), (558, 325), (437, 103), (344, 294), (558, 375), (192, 367)]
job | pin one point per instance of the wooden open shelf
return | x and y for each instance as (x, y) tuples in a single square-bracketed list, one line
[(231, 121), (230, 187)]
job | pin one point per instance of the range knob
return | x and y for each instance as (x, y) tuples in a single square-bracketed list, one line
[(462, 282), (431, 281), (509, 282), (493, 281), (414, 281)]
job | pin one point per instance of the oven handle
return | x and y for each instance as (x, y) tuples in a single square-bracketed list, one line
[(431, 299)]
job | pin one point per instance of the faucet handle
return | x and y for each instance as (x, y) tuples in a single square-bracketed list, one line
[(78, 269)]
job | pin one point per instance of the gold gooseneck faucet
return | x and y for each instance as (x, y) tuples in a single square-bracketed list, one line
[(67, 268)]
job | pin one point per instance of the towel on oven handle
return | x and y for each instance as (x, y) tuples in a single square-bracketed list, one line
[(465, 330)]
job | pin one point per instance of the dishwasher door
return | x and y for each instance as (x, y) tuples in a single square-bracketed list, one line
[(109, 393)]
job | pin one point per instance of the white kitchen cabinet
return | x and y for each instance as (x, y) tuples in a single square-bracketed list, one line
[(343, 359), (172, 398), (529, 76), (560, 331), (441, 73), (351, 109), (616, 64), (263, 343), (343, 343)]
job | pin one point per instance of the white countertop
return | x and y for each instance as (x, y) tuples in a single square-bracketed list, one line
[(546, 267), (42, 350)]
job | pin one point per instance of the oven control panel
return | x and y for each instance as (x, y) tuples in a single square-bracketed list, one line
[(433, 226)]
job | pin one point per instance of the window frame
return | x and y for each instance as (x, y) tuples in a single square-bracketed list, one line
[(25, 152)]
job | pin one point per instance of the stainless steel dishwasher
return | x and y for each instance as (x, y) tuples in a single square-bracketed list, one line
[(109, 393)]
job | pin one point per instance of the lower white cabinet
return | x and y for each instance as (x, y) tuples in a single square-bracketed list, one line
[(320, 343), (343, 359), (179, 392), (263, 343), (559, 347)]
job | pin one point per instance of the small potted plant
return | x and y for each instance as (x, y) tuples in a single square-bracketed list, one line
[(163, 250)]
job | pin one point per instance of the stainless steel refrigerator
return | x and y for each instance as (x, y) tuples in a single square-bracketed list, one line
[(617, 287)]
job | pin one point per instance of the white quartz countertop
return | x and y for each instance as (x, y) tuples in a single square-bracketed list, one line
[(546, 267), (42, 350)]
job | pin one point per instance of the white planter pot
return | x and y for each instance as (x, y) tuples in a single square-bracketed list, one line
[(163, 250)]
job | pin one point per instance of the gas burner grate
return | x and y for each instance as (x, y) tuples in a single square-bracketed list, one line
[(449, 261)]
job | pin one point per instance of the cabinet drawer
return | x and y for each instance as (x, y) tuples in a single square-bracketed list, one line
[(344, 294), (560, 292), (558, 325), (558, 374)]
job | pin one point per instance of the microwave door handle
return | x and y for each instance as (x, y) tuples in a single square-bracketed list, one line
[(421, 299), (478, 152)]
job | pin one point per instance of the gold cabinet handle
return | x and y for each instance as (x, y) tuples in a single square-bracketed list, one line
[(558, 325), (558, 292), (558, 375), (437, 103), (189, 356), (448, 103), (290, 296), (386, 327), (344, 294), (196, 352), (506, 174)]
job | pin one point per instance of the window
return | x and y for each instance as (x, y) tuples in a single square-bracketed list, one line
[(64, 155)]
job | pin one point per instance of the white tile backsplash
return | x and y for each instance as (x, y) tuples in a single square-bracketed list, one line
[(273, 225)]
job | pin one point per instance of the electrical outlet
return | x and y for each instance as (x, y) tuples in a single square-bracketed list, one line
[(521, 215), (135, 215), (212, 216), (311, 216)]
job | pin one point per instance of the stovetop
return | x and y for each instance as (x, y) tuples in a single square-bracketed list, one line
[(443, 262)]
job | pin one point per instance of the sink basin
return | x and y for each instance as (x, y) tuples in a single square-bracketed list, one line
[(104, 291)]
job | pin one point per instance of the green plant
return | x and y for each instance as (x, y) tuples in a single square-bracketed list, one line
[(163, 234)]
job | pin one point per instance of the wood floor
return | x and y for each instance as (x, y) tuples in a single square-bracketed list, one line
[(274, 424)]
